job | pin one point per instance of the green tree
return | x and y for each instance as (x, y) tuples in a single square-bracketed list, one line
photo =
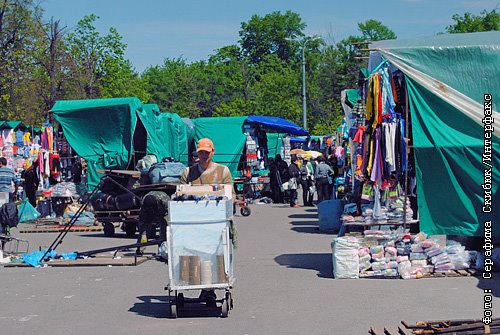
[(99, 65), (277, 89), (174, 86), (53, 58), (18, 33), (270, 34), (373, 30), (469, 23)]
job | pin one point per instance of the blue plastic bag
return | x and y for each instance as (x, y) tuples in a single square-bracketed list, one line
[(26, 212)]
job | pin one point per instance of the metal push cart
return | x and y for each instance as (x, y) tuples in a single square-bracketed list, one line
[(200, 251)]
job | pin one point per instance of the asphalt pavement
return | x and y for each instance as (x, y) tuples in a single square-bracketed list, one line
[(285, 285)]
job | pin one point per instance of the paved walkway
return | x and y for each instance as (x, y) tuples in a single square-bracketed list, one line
[(284, 286)]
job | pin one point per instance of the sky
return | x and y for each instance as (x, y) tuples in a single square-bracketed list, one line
[(192, 29)]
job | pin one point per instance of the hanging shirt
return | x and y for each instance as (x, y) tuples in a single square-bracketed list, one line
[(7, 136), (26, 138), (387, 97), (19, 138), (389, 145), (377, 171), (50, 138), (46, 160)]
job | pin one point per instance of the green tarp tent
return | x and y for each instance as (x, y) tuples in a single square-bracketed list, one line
[(228, 138), (100, 130), (448, 77), (103, 132), (274, 144), (166, 133)]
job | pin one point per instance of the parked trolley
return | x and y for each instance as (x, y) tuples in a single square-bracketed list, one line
[(200, 252)]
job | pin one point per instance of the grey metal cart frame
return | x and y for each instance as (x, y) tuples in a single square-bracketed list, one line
[(200, 251)]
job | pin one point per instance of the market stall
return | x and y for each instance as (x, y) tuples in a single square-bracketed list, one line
[(454, 144), (422, 131), (252, 143), (116, 133)]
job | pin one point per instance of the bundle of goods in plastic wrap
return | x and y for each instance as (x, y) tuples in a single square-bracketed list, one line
[(345, 257), (458, 255), (145, 163), (64, 189), (378, 260), (166, 172), (85, 218), (437, 256)]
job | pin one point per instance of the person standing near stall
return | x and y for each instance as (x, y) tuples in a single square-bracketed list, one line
[(323, 171), (282, 168), (294, 172), (206, 171), (306, 181), (31, 182), (8, 179)]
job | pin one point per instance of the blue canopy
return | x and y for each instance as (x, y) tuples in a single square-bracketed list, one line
[(278, 124), (297, 140)]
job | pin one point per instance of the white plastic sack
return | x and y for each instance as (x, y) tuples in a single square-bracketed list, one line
[(345, 258)]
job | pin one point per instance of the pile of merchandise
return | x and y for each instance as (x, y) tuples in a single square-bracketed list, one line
[(378, 215), (382, 253)]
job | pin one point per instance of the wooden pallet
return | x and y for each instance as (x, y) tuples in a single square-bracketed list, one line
[(453, 273), (123, 259), (58, 229), (468, 326), (47, 221)]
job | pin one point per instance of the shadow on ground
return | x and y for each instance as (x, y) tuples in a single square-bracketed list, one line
[(305, 223), (118, 235), (492, 284), (158, 307), (303, 216), (322, 263), (313, 230)]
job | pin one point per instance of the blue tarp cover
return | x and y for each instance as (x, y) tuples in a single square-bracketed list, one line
[(278, 124), (297, 140)]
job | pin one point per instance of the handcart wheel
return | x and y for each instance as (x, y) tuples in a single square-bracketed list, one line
[(245, 211), (109, 229), (180, 300), (225, 309), (173, 310)]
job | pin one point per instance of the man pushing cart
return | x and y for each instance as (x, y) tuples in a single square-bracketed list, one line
[(200, 234)]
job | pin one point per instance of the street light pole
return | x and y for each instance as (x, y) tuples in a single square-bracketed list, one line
[(303, 43), (304, 99)]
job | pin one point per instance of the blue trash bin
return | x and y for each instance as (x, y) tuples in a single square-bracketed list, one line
[(329, 213)]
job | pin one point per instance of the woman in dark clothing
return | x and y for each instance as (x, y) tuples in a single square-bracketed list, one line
[(76, 171), (294, 172), (274, 182), (31, 182), (280, 171)]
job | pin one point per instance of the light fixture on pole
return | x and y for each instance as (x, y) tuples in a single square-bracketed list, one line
[(303, 43)]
